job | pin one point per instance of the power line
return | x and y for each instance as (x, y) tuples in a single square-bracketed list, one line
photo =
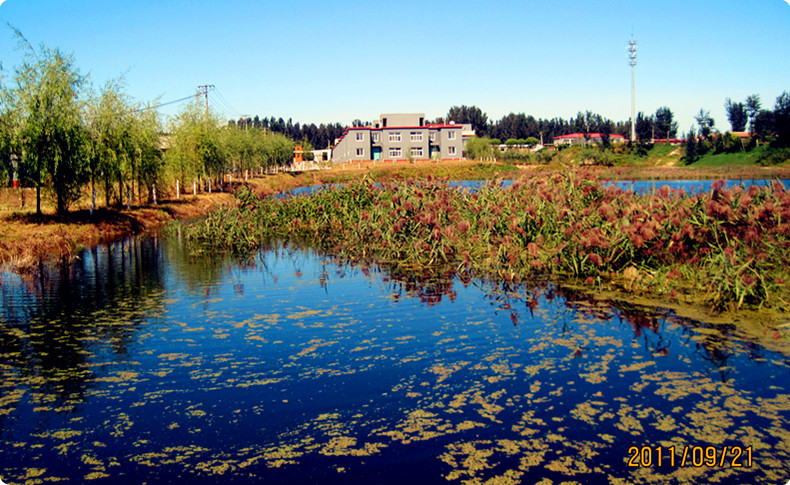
[(165, 104), (222, 104), (218, 102), (225, 102)]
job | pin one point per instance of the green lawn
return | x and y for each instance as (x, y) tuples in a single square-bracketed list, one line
[(739, 158)]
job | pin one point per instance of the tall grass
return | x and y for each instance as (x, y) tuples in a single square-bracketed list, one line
[(727, 247)]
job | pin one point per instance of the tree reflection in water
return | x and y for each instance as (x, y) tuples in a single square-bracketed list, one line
[(54, 320)]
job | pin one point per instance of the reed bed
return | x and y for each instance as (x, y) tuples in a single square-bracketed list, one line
[(727, 247)]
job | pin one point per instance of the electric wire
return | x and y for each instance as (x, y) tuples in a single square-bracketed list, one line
[(227, 103), (166, 103), (221, 102)]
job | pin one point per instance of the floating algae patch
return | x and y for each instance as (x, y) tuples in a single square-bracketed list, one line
[(354, 374)]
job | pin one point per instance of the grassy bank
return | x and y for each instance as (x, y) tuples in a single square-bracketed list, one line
[(727, 248)]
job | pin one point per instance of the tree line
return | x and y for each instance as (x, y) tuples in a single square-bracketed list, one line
[(319, 136), (511, 126), (767, 126), (61, 137), (523, 126)]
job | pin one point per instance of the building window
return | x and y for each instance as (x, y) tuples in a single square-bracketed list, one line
[(416, 152), (395, 136), (451, 150), (375, 137), (451, 135), (432, 136), (360, 152), (395, 152), (416, 136), (360, 136)]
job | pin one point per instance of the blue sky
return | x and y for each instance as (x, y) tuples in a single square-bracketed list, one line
[(319, 61)]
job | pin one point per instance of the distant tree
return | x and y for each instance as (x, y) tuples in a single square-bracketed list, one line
[(753, 107), (511, 126), (763, 124), (736, 115), (705, 123), (665, 127), (472, 115), (692, 150), (644, 127), (579, 124), (531, 141), (782, 120)]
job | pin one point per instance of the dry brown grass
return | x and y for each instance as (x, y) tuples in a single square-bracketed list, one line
[(26, 238)]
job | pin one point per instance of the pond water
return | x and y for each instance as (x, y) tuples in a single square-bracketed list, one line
[(639, 186), (692, 186), (140, 364)]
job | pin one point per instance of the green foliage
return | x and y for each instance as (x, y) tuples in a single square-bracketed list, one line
[(47, 100), (478, 148), (728, 143), (644, 127), (472, 115), (692, 148), (775, 156), (516, 155), (124, 145), (705, 123), (664, 126), (753, 108), (782, 120), (736, 114)]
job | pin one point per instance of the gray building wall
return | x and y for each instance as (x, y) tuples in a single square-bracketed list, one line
[(401, 119), (406, 143), (448, 142), (346, 149), (451, 142)]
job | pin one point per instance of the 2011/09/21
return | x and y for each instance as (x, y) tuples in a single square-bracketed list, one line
[(696, 456)]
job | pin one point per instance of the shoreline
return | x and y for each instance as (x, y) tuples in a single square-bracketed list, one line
[(27, 239)]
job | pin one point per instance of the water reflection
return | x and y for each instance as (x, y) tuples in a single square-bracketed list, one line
[(54, 319), (142, 362)]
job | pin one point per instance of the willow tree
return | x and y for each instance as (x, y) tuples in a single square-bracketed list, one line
[(47, 95), (124, 143), (195, 149)]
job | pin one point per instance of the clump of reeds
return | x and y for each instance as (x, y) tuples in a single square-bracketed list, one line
[(728, 246)]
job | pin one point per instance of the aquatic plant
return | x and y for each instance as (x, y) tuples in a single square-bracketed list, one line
[(728, 246)]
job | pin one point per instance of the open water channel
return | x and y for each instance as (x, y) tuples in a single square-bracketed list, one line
[(140, 364)]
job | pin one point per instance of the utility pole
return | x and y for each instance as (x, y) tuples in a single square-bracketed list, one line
[(203, 91), (632, 56)]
